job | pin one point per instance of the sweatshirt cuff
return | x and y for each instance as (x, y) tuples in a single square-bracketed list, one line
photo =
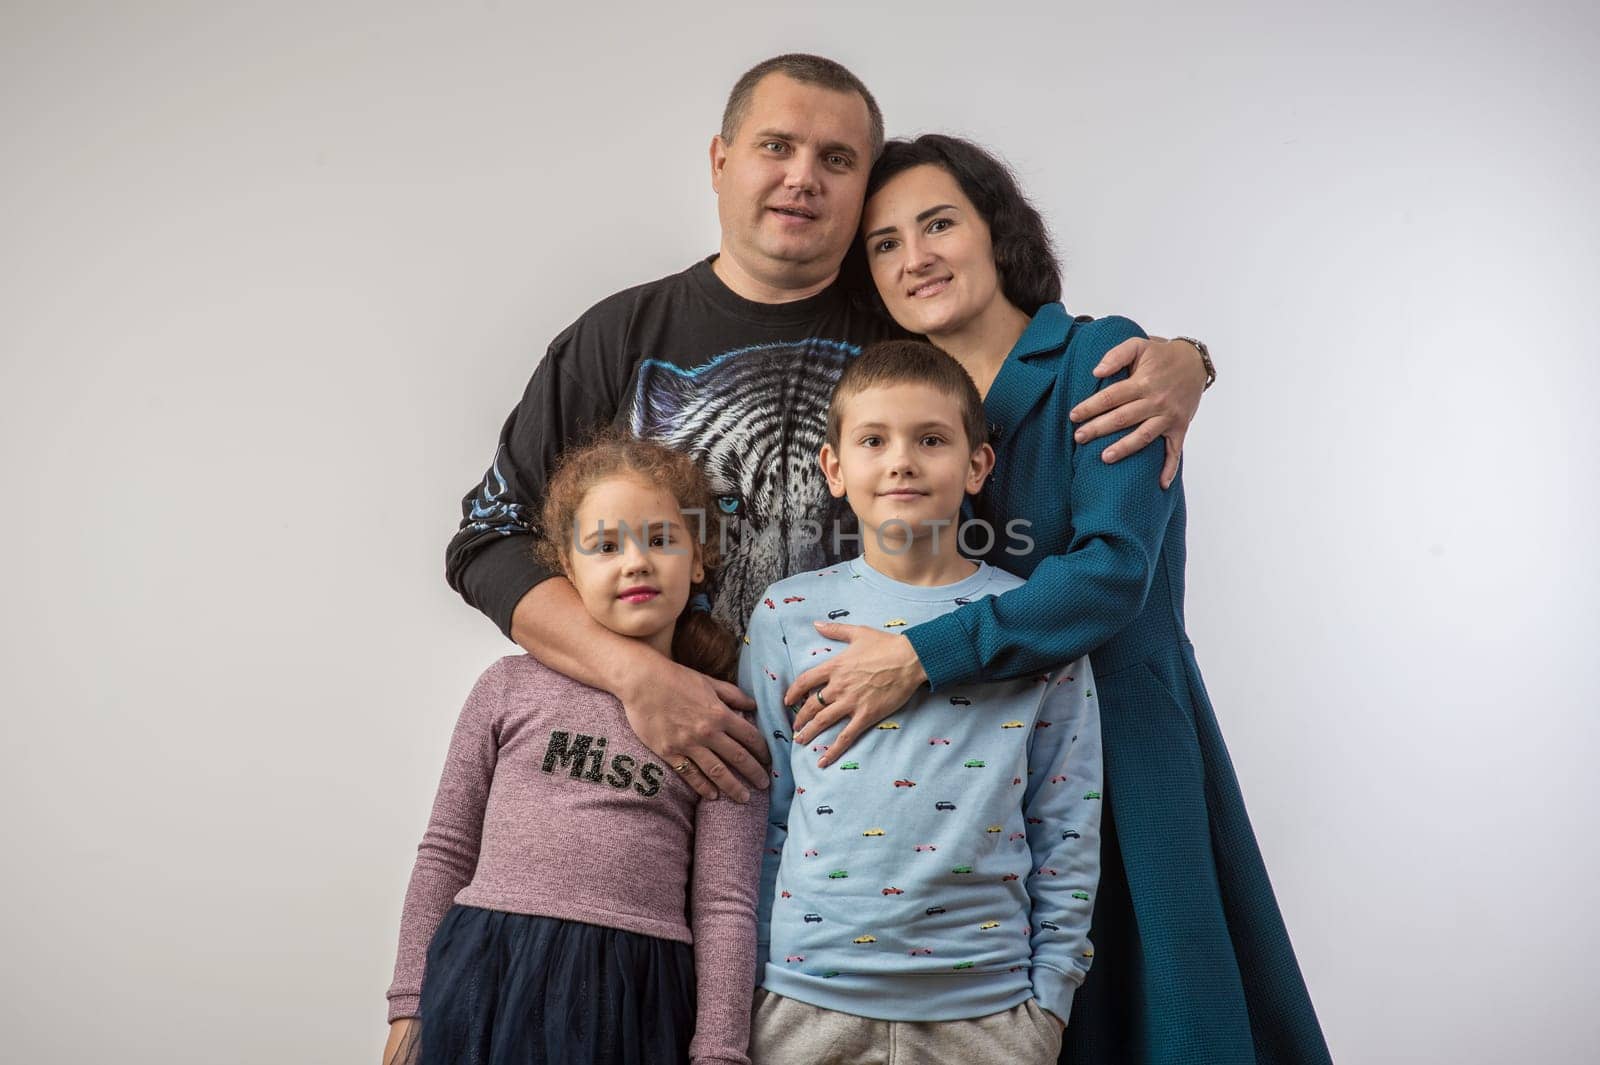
[(504, 572), (1054, 990), (404, 1006), (947, 651)]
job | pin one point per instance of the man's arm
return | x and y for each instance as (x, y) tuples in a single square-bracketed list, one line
[(680, 714), (490, 561), (1160, 396)]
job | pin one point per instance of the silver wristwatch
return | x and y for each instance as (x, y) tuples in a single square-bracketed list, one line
[(1205, 359)]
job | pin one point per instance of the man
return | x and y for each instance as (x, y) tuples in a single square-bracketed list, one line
[(733, 360)]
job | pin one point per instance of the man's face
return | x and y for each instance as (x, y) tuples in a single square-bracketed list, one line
[(903, 454), (790, 183)]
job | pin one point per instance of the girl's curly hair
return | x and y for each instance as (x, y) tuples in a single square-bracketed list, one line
[(699, 641)]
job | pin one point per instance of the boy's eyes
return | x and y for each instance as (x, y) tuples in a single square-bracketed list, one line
[(927, 440)]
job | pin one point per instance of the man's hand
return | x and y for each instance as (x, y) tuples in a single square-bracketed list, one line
[(685, 717), (680, 714), (1161, 396), (869, 680)]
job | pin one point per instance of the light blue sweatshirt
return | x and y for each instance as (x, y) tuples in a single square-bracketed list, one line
[(946, 867)]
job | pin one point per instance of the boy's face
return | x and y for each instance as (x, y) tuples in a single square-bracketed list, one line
[(903, 454)]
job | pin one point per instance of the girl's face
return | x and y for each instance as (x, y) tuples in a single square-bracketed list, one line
[(632, 559), (930, 253)]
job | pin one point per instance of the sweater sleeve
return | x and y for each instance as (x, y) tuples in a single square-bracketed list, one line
[(490, 560), (727, 873), (765, 673), (1076, 600), (1063, 805), (448, 854)]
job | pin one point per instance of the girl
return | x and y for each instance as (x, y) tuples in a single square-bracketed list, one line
[(581, 868)]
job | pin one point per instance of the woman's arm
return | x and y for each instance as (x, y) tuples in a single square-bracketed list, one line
[(448, 854), (1071, 604)]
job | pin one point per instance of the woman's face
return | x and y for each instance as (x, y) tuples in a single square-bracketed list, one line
[(930, 253)]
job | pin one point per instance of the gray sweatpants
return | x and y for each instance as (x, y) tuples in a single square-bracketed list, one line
[(786, 1032)]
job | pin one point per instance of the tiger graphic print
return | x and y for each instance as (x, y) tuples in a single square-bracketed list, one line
[(755, 419)]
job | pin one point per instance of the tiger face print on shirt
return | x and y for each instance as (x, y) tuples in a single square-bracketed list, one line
[(755, 418)]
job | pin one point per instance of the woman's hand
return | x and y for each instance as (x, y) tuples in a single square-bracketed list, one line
[(1160, 396), (405, 1041), (684, 716), (869, 680)]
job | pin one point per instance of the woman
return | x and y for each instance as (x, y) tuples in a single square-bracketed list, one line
[(1192, 961)]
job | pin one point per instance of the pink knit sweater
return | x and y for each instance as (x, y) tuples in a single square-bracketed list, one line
[(549, 804)]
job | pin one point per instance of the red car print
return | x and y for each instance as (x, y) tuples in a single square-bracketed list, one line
[(1016, 780), (819, 748), (787, 895), (774, 850), (1058, 779), (823, 651), (893, 891), (905, 783), (1008, 878), (770, 604), (919, 848), (1047, 871), (1041, 724), (1035, 820), (915, 951), (812, 853), (799, 791), (1014, 836), (938, 739), (770, 675), (794, 599), (795, 957)]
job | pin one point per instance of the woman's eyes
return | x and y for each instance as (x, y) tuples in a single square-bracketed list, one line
[(938, 225)]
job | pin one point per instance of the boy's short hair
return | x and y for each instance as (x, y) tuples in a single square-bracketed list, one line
[(891, 362)]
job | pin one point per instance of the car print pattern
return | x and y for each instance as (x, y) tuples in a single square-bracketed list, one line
[(1014, 849)]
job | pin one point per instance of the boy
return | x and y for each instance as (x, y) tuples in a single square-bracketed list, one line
[(927, 899)]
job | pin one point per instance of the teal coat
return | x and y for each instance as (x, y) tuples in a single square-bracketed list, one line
[(1192, 962)]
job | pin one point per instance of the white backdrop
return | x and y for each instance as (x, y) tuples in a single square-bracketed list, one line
[(271, 277)]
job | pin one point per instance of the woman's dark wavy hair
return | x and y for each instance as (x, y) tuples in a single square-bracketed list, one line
[(1025, 259)]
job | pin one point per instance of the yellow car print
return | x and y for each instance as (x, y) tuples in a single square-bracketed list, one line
[(865, 939), (889, 725), (894, 623), (989, 924), (994, 828), (873, 832), (1012, 724)]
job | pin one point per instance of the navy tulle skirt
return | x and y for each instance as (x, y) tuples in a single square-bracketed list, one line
[(512, 989)]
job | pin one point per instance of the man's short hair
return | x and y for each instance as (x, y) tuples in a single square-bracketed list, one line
[(808, 70), (894, 362)]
